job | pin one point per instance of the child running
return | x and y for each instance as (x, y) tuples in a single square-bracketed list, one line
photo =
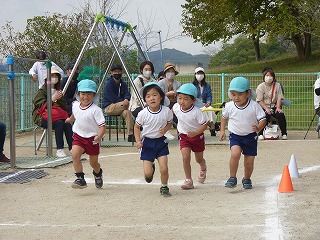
[(245, 119), (88, 128), (191, 125), (154, 120)]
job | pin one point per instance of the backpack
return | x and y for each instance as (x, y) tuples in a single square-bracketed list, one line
[(270, 132)]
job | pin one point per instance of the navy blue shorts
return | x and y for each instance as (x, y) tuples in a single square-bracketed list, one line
[(154, 148), (248, 143)]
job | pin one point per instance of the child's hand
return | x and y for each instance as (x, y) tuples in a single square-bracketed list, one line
[(68, 120), (161, 131), (222, 135), (97, 139), (255, 128), (191, 134), (139, 144)]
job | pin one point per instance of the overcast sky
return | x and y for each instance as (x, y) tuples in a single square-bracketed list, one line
[(157, 11)]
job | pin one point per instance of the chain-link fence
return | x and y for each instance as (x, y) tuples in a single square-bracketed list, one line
[(298, 89)]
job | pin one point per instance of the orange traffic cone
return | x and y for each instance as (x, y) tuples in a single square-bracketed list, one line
[(285, 183)]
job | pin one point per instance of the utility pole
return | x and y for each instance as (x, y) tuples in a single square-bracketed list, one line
[(161, 56)]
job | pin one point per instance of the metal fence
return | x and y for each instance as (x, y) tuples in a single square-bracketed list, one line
[(298, 88)]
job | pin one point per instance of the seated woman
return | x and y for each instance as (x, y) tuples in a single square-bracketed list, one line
[(270, 96), (59, 125), (147, 71), (205, 95)]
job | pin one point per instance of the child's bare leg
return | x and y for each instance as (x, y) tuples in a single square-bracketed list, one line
[(200, 160), (234, 160), (186, 157), (163, 165), (147, 168), (77, 151), (94, 163), (248, 166)]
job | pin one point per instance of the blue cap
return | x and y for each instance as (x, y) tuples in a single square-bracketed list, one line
[(188, 89), (87, 85), (239, 84)]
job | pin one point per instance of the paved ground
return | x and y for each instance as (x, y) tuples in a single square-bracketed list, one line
[(128, 208)]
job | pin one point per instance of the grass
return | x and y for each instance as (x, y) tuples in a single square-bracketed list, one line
[(285, 64)]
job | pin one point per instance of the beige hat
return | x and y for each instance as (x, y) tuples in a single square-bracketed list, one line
[(54, 70), (169, 65)]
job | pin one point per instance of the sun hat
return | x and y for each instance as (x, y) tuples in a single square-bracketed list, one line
[(87, 85), (169, 65), (116, 66), (239, 84), (191, 90), (54, 70), (166, 101), (199, 69)]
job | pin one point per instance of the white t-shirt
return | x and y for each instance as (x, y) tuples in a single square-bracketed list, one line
[(316, 98), (241, 119), (151, 122), (189, 120), (39, 68), (87, 120)]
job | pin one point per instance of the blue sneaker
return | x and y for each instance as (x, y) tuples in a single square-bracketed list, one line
[(247, 184), (231, 183)]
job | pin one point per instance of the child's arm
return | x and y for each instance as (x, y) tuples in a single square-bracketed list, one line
[(101, 133), (137, 136), (200, 130), (70, 119), (223, 125), (165, 129), (260, 126)]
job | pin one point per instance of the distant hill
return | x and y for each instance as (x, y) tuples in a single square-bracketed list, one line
[(177, 57)]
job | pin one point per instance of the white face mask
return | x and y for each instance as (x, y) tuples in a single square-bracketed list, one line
[(54, 80), (268, 79), (170, 75), (147, 74), (199, 77)]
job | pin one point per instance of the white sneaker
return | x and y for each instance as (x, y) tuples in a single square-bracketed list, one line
[(169, 135), (284, 137), (61, 153), (261, 137)]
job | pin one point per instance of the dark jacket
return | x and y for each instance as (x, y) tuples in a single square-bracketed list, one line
[(40, 99), (69, 94), (206, 93), (111, 93)]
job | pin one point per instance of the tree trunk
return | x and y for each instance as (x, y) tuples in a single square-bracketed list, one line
[(307, 44), (256, 46), (298, 42)]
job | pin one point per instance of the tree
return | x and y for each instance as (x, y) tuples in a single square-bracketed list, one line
[(209, 21)]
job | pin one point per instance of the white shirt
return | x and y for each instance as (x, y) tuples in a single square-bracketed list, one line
[(39, 68), (241, 119), (87, 120), (316, 98), (151, 122), (189, 120)]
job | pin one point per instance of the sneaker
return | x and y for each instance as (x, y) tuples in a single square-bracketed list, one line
[(231, 183), (246, 182), (131, 138), (164, 191), (61, 153), (202, 176), (4, 159), (284, 137), (261, 137), (79, 183), (188, 184), (213, 133), (98, 181), (169, 135), (149, 179)]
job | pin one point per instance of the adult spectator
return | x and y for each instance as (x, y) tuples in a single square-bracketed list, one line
[(170, 86), (270, 96), (59, 115), (316, 100), (69, 95), (116, 99), (3, 157), (205, 95), (146, 75), (39, 70)]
